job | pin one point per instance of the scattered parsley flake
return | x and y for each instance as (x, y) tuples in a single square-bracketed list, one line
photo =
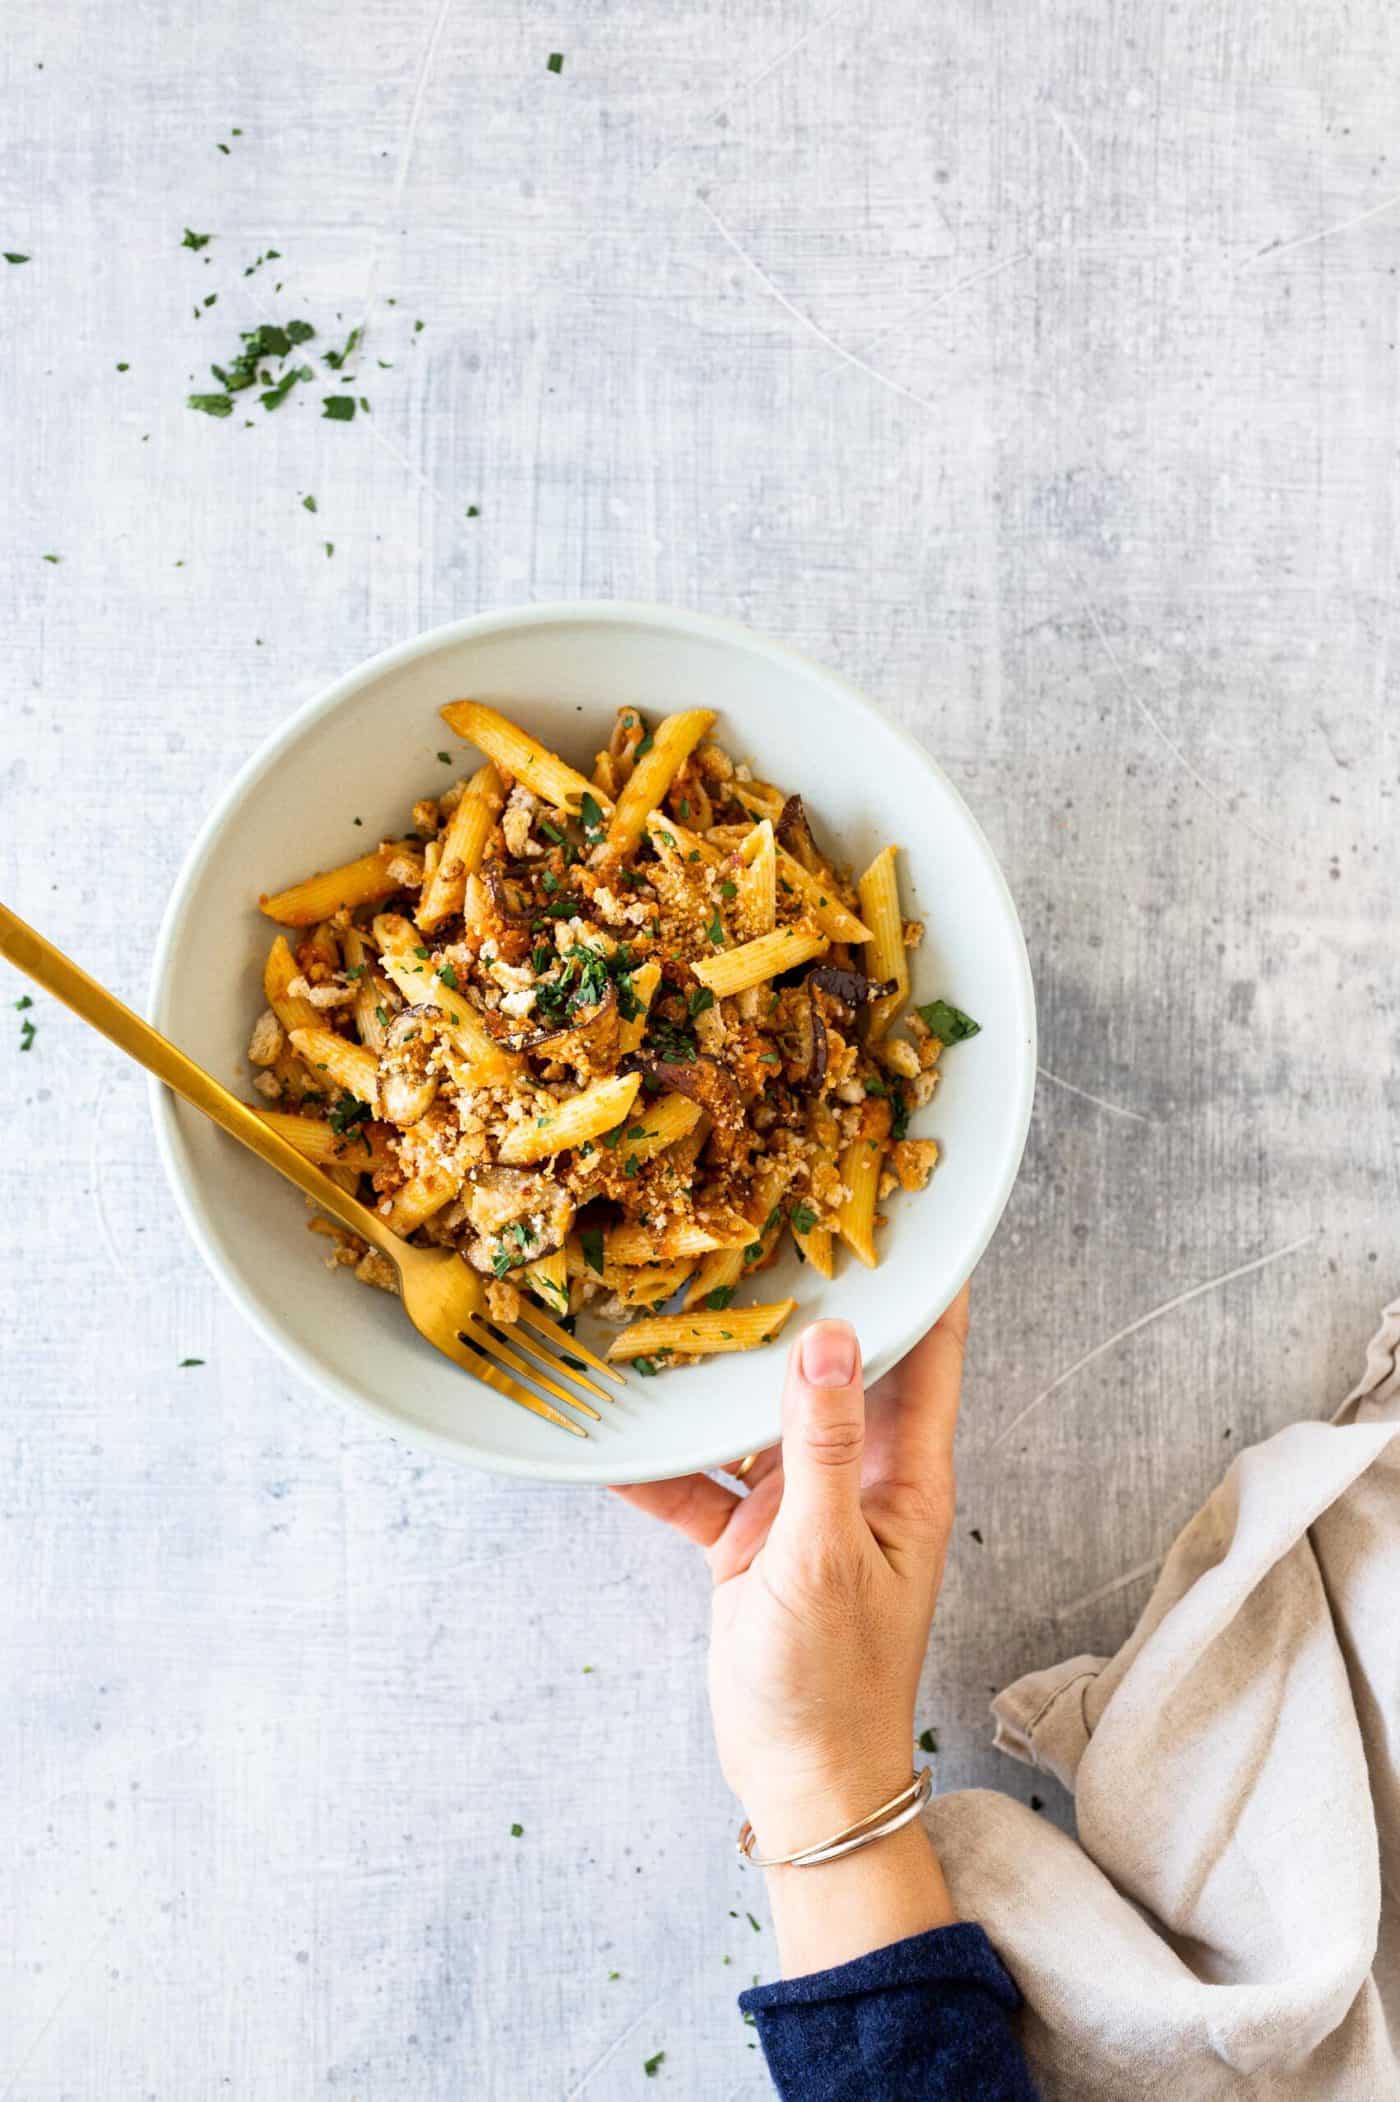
[(728, 889), (715, 930), (473, 511), (422, 954), (448, 977), (210, 404), (517, 1831), (24, 1000), (12, 257), (803, 1218), (338, 408), (194, 240), (719, 1299), (555, 64), (658, 2058), (336, 358), (348, 1113), (51, 558), (591, 1242), (123, 367), (644, 747), (329, 546), (185, 1363), (308, 503)]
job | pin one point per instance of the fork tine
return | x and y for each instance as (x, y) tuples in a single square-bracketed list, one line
[(569, 1344), (481, 1368), (537, 1349), (481, 1338)]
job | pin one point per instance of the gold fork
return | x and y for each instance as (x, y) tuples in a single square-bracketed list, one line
[(441, 1294)]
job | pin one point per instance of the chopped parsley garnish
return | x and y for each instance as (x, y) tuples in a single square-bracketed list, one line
[(24, 1000), (517, 1831), (874, 1085), (715, 930), (308, 503), (671, 1041), (644, 747), (473, 511), (928, 1740), (803, 1218), (899, 1120), (699, 1000), (355, 970), (448, 977), (719, 1299), (753, 1251), (753, 1923), (512, 1247), (648, 1368), (683, 807), (338, 408), (27, 1034), (194, 240), (555, 64), (381, 1016), (348, 1113), (948, 1022), (628, 1005), (612, 1138), (210, 404), (590, 817), (51, 558), (422, 954), (591, 1242), (336, 358), (185, 1363), (728, 889), (551, 832), (12, 257), (549, 882), (539, 957), (275, 396)]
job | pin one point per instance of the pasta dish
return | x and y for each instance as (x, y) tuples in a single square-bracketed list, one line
[(617, 1039)]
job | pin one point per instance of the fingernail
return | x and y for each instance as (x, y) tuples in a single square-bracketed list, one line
[(830, 1354)]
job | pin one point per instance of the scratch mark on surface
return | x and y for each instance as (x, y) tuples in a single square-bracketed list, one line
[(1220, 801), (420, 474), (615, 2046), (80, 1967), (1118, 1583), (847, 357), (1071, 141), (415, 115), (737, 93), (960, 284), (1277, 248), (1083, 1093), (1169, 1306)]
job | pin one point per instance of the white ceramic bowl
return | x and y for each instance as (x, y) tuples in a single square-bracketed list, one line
[(367, 748)]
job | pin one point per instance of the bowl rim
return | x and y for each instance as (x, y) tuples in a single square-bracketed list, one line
[(170, 1142)]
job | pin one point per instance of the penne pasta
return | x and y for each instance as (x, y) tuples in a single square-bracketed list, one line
[(643, 983), (657, 1125), (348, 1065), (568, 1000), (702, 1333), (291, 1009), (733, 970), (315, 898), (885, 954), (819, 901), (635, 1243), (760, 798), (364, 1147), (516, 752), (418, 1201), (861, 1162), (584, 1116), (713, 1283), (673, 741), (461, 848), (651, 1284), (409, 964), (548, 1278), (678, 843), (758, 881)]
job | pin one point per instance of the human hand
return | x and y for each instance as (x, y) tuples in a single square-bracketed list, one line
[(826, 1575)]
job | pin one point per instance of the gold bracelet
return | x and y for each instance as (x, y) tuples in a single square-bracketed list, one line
[(900, 1810)]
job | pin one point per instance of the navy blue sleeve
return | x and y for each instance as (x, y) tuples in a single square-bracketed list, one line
[(925, 2020)]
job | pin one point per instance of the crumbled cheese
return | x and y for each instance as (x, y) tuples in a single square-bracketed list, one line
[(321, 995), (516, 820), (268, 1084), (518, 1004), (267, 1043)]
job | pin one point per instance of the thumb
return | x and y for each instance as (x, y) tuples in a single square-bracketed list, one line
[(823, 1431)]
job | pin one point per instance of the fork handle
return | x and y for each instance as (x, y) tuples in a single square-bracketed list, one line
[(51, 969)]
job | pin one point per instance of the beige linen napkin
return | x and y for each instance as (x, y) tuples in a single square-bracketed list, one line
[(1228, 1924)]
